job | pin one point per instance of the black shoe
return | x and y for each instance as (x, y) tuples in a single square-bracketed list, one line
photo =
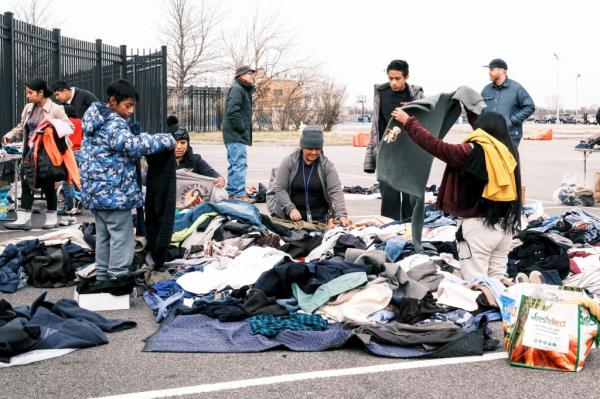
[(122, 285), (115, 285)]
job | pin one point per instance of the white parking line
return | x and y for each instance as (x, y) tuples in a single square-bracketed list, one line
[(279, 379)]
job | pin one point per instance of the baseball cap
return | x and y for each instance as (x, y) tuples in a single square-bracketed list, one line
[(497, 63)]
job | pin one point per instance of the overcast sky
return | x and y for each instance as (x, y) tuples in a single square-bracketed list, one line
[(445, 42)]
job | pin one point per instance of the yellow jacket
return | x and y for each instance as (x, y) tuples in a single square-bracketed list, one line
[(500, 165)]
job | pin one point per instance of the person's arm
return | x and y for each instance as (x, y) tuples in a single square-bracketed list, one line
[(336, 193), (59, 113), (454, 155), (370, 162), (280, 187), (526, 107), (234, 109), (17, 132), (202, 167), (123, 140)]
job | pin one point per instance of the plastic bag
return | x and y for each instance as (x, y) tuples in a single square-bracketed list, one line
[(541, 331)]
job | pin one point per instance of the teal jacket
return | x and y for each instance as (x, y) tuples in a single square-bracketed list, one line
[(237, 119)]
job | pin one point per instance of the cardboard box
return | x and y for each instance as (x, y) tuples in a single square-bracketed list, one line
[(103, 301)]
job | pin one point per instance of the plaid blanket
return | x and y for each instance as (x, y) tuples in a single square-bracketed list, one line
[(270, 326)]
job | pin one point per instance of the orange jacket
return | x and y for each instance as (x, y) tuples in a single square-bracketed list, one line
[(55, 156)]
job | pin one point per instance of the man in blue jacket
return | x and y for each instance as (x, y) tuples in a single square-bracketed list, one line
[(508, 98)]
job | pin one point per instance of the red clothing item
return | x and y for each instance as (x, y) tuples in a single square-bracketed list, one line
[(455, 156), (77, 134)]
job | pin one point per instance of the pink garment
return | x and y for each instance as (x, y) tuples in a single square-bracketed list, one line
[(62, 128)]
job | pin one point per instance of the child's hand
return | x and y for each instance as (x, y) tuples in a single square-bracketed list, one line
[(135, 128)]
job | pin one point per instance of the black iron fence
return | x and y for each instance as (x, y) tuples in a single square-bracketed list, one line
[(199, 109), (28, 51)]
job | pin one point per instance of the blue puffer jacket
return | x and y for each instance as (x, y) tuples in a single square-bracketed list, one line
[(108, 157)]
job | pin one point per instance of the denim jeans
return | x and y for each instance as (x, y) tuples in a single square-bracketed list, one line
[(114, 243), (237, 169), (69, 189)]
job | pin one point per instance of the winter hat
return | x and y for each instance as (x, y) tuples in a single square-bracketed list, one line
[(172, 124), (312, 137), (242, 70), (181, 134)]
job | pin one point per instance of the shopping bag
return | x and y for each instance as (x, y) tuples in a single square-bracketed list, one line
[(544, 332)]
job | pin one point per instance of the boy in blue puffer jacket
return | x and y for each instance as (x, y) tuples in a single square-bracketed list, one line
[(108, 156)]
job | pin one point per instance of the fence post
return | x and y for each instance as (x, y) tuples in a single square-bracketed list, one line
[(192, 121), (123, 49), (99, 73), (163, 108), (56, 55), (205, 109), (10, 23)]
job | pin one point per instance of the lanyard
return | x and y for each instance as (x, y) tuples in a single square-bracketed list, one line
[(306, 183)]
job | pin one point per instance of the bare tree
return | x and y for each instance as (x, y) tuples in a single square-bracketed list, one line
[(190, 30), (263, 43), (35, 12), (296, 106), (329, 100)]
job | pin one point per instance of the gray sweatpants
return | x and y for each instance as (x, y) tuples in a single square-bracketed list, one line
[(484, 253), (114, 243)]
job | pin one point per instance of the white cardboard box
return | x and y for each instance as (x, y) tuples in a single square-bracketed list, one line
[(103, 301)]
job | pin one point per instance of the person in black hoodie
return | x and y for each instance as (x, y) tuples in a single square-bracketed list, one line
[(184, 155)]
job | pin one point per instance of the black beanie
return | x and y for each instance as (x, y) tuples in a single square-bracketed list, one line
[(181, 134)]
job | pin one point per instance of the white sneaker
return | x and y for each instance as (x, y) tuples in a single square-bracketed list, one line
[(51, 220), (67, 220), (23, 221)]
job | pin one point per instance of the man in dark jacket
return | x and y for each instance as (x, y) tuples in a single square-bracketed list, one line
[(79, 99), (508, 98), (237, 131), (388, 97)]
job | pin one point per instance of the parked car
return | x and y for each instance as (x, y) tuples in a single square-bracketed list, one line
[(591, 120), (545, 119), (567, 118)]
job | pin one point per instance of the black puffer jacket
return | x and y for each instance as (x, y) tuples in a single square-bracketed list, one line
[(196, 164)]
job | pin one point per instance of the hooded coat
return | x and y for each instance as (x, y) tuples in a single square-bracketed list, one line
[(108, 156)]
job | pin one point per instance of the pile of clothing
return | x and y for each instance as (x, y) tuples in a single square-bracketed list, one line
[(45, 325), (574, 195), (302, 286)]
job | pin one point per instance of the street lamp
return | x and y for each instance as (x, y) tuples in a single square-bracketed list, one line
[(557, 113), (576, 87), (362, 99)]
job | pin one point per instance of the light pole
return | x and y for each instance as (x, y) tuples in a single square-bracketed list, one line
[(557, 113), (362, 99), (576, 92)]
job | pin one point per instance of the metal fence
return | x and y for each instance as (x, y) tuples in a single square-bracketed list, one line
[(199, 109), (28, 51)]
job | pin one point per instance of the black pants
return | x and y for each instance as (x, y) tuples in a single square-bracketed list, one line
[(48, 189), (394, 204)]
